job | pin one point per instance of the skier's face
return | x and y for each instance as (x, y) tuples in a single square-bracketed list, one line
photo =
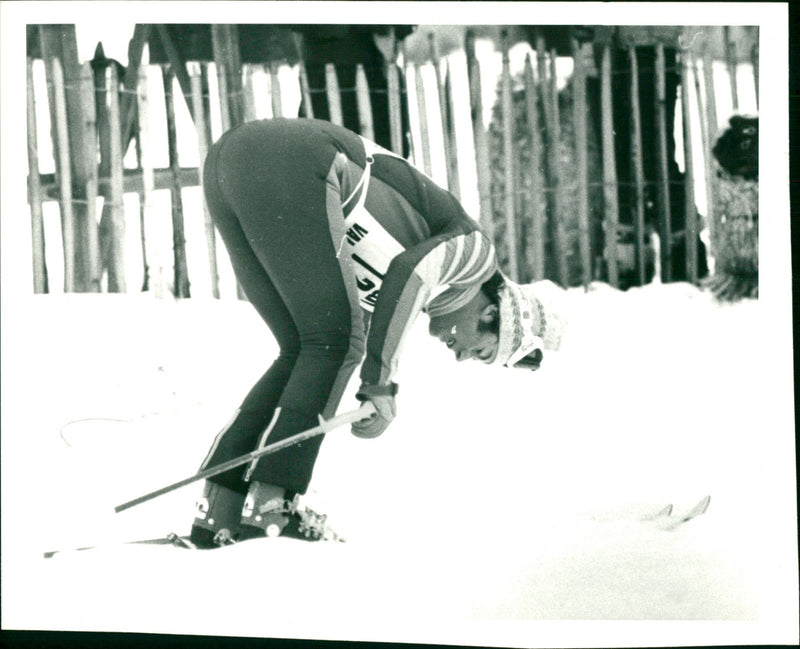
[(468, 331)]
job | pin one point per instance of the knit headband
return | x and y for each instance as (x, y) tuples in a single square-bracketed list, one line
[(526, 323)]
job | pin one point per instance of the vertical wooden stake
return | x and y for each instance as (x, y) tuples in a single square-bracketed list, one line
[(554, 139), (364, 104), (154, 274), (538, 215), (395, 99), (35, 192), (690, 231), (275, 89), (637, 164), (181, 278), (116, 268), (93, 261), (754, 51), (333, 94), (508, 164), (64, 177), (704, 142), (664, 209), (308, 109), (610, 198), (479, 137), (425, 145), (448, 139), (581, 159), (202, 146), (248, 93), (731, 61)]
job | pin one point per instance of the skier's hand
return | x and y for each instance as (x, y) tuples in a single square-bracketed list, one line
[(382, 397)]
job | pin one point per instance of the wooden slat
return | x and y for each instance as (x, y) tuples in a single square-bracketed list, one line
[(754, 59), (538, 215), (116, 267), (508, 164), (64, 176), (691, 229), (248, 92), (308, 109), (637, 165), (275, 89), (479, 136), (731, 61), (424, 129), (152, 260), (181, 271), (610, 198), (333, 94), (448, 138), (364, 104), (35, 192), (581, 160), (89, 231), (202, 146), (554, 140), (705, 142), (395, 100), (664, 209), (220, 64)]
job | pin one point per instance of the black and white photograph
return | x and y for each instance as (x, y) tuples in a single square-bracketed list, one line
[(432, 323)]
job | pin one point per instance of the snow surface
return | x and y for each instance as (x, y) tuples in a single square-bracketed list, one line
[(500, 508)]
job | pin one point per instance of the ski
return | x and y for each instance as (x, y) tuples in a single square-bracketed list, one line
[(170, 539), (666, 521)]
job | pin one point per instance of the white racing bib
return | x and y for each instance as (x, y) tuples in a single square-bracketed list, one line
[(366, 242)]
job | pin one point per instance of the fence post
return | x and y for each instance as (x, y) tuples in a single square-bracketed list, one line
[(181, 274), (333, 94), (664, 209), (308, 109), (364, 104), (64, 178), (35, 193), (448, 136), (610, 198), (423, 122), (705, 143), (90, 234), (479, 137), (116, 266), (581, 157), (275, 90), (754, 52), (508, 163), (690, 231), (202, 146), (395, 99), (637, 164), (537, 238), (552, 141), (152, 279), (730, 62)]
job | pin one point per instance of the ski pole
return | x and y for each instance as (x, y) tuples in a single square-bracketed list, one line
[(364, 412)]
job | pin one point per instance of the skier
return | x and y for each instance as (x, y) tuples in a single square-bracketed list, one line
[(339, 245)]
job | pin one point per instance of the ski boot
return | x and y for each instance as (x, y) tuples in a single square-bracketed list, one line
[(268, 513), (217, 514)]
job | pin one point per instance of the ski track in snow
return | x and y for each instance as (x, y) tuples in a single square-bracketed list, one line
[(495, 495)]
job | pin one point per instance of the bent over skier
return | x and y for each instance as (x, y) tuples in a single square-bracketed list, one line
[(339, 245)]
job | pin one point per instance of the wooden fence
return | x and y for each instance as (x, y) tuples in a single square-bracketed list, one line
[(93, 114)]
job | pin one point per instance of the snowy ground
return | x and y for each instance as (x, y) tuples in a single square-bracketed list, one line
[(500, 508)]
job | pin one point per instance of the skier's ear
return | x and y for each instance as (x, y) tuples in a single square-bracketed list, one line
[(489, 313)]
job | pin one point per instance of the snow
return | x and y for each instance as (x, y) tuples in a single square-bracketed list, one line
[(500, 508)]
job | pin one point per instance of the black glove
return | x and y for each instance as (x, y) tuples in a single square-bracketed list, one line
[(382, 397)]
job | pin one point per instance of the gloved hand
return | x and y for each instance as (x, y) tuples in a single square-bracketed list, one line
[(382, 397)]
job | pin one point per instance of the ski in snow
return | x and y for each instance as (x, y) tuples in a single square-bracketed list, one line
[(170, 539), (666, 521)]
